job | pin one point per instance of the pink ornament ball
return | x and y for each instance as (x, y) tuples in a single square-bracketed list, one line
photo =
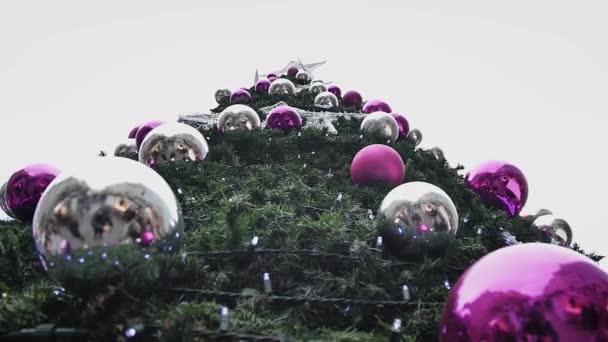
[(404, 126), (240, 96), (377, 164), (133, 132), (292, 71), (144, 129), (352, 98), (272, 78), (24, 188), (146, 239), (372, 106), (528, 292), (262, 85), (334, 89), (284, 118)]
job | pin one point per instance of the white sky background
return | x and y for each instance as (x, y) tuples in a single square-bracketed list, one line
[(523, 81)]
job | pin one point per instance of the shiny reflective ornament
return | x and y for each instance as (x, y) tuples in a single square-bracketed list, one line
[(262, 85), (326, 100), (381, 125), (238, 117), (104, 219), (377, 164), (292, 71), (222, 96), (240, 96), (555, 230), (144, 130), (414, 136), (173, 142), (334, 89), (541, 212), (352, 99), (133, 132), (404, 125), (282, 86), (2, 203), (437, 153), (284, 118), (528, 292), (303, 76), (372, 106), (126, 151), (499, 185), (316, 88), (417, 219), (24, 188), (272, 75)]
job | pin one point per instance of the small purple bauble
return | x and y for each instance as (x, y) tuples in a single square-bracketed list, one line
[(334, 89), (240, 96), (133, 132), (499, 185), (528, 292), (272, 78), (146, 239), (284, 118), (404, 126), (271, 75), (144, 130), (292, 71), (372, 106), (24, 188), (377, 164), (352, 99), (262, 85)]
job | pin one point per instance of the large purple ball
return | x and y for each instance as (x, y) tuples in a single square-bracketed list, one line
[(144, 130), (372, 106), (352, 99), (24, 188), (377, 164), (133, 132), (240, 96), (262, 85), (528, 292), (404, 126), (284, 118), (334, 89), (499, 185), (292, 71)]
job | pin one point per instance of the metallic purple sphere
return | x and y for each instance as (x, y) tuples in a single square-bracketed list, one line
[(528, 292), (262, 85), (499, 185), (271, 75), (284, 118), (272, 78), (334, 89), (377, 164), (24, 188), (144, 130), (404, 126), (292, 71), (146, 238), (352, 99), (240, 96), (372, 106), (133, 132)]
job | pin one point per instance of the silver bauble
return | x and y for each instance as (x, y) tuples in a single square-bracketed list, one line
[(173, 141), (282, 86), (438, 153), (303, 76), (382, 125), (105, 219), (316, 88), (126, 150), (555, 230), (415, 136), (543, 211), (222, 96), (238, 117), (326, 100), (2, 203), (417, 219)]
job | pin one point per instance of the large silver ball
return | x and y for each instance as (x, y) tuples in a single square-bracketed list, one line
[(238, 117), (380, 124), (415, 136), (555, 230), (173, 142), (326, 100), (316, 88), (126, 150), (417, 219), (303, 76), (104, 219), (282, 86), (222, 96)]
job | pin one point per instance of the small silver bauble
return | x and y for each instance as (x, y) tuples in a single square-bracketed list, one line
[(438, 153), (555, 230), (543, 211), (415, 136), (417, 219), (380, 124), (173, 142), (222, 96), (238, 117), (316, 88), (282, 86), (126, 150), (326, 100), (303, 76), (2, 203)]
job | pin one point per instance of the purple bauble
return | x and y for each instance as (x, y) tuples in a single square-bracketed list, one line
[(499, 185), (272, 78), (372, 106), (377, 164), (334, 89), (292, 71), (240, 96), (284, 118), (133, 132), (352, 99), (528, 292), (262, 85), (146, 238), (144, 130), (404, 126), (24, 188)]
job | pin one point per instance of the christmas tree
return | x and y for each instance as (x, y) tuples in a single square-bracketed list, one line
[(283, 239)]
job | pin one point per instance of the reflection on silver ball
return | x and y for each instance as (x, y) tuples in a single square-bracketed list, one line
[(127, 150), (104, 218), (282, 86), (555, 230), (173, 142), (438, 153), (380, 124), (417, 219), (415, 136), (222, 96), (238, 117), (316, 88), (326, 100), (303, 76)]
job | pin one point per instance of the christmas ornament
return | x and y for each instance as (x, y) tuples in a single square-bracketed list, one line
[(272, 78), (352, 99), (380, 124), (414, 136), (377, 164), (173, 142), (499, 185), (437, 153), (262, 85), (417, 219), (303, 76), (240, 96), (528, 292), (316, 88), (126, 151), (284, 118), (222, 96), (24, 188), (282, 86), (272, 75), (133, 132), (326, 100), (404, 126), (238, 117), (105, 218), (555, 230), (2, 203), (144, 130), (372, 106), (292, 71), (334, 89)]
